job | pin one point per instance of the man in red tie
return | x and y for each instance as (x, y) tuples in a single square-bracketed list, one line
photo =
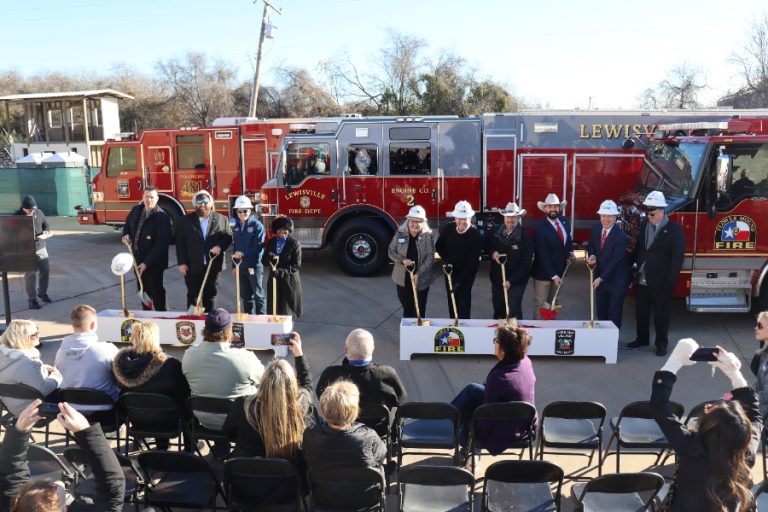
[(554, 248), (607, 249)]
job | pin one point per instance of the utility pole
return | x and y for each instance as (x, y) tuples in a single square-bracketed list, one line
[(255, 88)]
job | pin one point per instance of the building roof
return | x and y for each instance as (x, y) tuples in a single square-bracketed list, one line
[(67, 94)]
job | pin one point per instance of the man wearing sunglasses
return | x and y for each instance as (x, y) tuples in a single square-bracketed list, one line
[(659, 257), (248, 235), (202, 235)]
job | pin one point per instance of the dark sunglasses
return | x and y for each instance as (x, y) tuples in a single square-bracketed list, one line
[(243, 211), (202, 201)]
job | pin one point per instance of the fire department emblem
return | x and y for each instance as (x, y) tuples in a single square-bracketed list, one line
[(185, 332), (735, 232), (304, 202), (449, 339), (125, 329)]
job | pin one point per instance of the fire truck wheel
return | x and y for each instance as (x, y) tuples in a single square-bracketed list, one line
[(360, 247), (174, 214)]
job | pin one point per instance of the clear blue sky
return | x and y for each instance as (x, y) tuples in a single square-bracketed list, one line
[(555, 52)]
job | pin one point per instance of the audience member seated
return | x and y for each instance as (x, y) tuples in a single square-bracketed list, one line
[(20, 363), (215, 369), (86, 362), (339, 441), (271, 423), (47, 496), (377, 383), (145, 368), (512, 379), (714, 459)]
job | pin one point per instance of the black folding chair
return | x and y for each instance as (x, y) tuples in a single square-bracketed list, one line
[(427, 426), (636, 429), (85, 484), (208, 405), (573, 426), (346, 489), (503, 415), (257, 483), (522, 485), (178, 480), (150, 415), (377, 416), (44, 464), (91, 397), (24, 392), (627, 492), (427, 488)]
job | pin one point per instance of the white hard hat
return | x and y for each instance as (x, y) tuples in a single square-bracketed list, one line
[(243, 202), (655, 200), (551, 200), (608, 207), (417, 212), (462, 210), (202, 192), (512, 210), (122, 263)]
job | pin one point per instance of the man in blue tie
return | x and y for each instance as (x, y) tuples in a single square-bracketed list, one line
[(554, 248)]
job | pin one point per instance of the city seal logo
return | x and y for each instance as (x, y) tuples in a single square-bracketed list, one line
[(734, 233), (185, 332), (304, 202), (449, 339), (125, 329)]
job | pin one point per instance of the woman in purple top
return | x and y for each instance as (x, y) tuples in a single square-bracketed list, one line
[(512, 379)]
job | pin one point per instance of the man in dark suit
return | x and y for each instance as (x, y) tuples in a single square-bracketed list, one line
[(659, 257), (607, 250), (148, 231), (202, 235), (554, 248)]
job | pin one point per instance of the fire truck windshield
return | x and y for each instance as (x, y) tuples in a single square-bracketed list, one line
[(672, 168)]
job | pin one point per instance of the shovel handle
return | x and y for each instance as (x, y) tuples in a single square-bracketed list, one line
[(448, 269), (502, 261), (205, 279), (557, 290)]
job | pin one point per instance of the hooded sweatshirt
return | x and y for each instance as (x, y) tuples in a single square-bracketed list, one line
[(86, 362), (24, 367)]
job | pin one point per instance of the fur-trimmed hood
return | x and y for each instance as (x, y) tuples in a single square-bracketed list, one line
[(132, 370)]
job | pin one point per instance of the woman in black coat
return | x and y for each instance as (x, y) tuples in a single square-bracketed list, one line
[(286, 250)]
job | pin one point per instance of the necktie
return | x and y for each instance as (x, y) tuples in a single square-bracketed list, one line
[(560, 232), (602, 239)]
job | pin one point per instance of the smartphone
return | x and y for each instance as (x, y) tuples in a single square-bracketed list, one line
[(281, 339), (704, 354), (48, 410)]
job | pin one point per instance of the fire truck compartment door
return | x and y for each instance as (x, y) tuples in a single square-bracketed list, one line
[(159, 168), (359, 162)]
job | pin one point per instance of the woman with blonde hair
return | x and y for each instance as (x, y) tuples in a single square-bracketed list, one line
[(759, 363), (271, 422), (20, 363)]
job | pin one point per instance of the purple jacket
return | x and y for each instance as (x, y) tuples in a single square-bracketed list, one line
[(506, 383)]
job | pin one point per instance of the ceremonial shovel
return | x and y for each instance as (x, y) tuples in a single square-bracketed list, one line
[(273, 264), (236, 262), (448, 270), (121, 266), (549, 311), (197, 309), (410, 270), (591, 324), (143, 296), (502, 262)]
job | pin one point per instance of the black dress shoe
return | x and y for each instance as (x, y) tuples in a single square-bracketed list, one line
[(661, 351), (637, 344), (45, 298), (33, 304)]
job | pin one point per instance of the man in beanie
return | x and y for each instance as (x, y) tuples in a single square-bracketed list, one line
[(40, 223), (215, 369), (202, 235)]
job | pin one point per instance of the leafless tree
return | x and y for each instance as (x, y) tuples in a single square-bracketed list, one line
[(753, 62), (680, 89)]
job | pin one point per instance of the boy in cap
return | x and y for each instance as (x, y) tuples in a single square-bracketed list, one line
[(40, 223), (554, 249), (202, 235)]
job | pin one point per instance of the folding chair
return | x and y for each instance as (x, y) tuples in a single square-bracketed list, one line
[(618, 492), (258, 483), (88, 397), (522, 485), (377, 416), (150, 415), (24, 392), (573, 425), (346, 489), (519, 415), (209, 405), (428, 488), (427, 426), (178, 480), (44, 464), (85, 485), (636, 429)]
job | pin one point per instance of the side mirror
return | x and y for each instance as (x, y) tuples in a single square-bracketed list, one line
[(628, 144), (724, 171)]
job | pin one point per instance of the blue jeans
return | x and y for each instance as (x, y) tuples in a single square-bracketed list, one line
[(469, 399), (252, 290)]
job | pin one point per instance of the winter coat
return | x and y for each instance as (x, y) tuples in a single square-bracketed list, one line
[(357, 446), (378, 383), (86, 362), (398, 250), (287, 275), (24, 367), (759, 367), (249, 239), (519, 250), (154, 239), (151, 373), (461, 251), (192, 250)]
